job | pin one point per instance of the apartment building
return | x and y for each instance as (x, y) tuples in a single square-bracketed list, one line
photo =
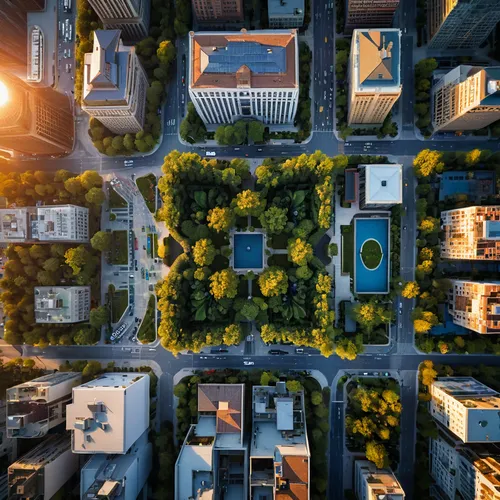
[(244, 74), (35, 122), (62, 304), (35, 407), (460, 24), (374, 484), (380, 186), (44, 224), (43, 470), (279, 450), (114, 84), (370, 14), (109, 414), (6, 442), (131, 17), (466, 98), (218, 12), (285, 14), (374, 75), (471, 233), (468, 472), (117, 477), (213, 461), (475, 305), (467, 408)]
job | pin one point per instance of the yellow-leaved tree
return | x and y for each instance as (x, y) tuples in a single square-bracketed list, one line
[(224, 284), (410, 290)]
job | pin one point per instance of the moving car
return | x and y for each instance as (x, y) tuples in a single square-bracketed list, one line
[(248, 363), (210, 153)]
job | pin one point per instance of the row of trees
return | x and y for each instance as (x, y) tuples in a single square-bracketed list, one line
[(372, 419), (423, 75), (239, 132)]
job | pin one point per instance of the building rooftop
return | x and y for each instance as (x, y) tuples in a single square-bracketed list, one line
[(245, 59), (105, 72), (58, 304), (285, 8), (110, 413), (226, 402), (380, 483), (383, 184), (377, 58), (13, 224)]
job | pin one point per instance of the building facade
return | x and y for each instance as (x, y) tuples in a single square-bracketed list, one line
[(214, 456), (370, 14), (475, 305), (45, 224), (114, 84), (463, 471), (43, 470), (466, 98), (467, 408), (117, 476), (471, 233), (380, 186), (34, 123), (289, 14), (62, 304), (131, 17), (460, 24), (35, 407), (374, 76), (13, 26), (252, 74), (371, 483), (218, 11), (109, 414)]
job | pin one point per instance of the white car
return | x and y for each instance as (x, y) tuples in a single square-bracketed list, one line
[(248, 363), (210, 153)]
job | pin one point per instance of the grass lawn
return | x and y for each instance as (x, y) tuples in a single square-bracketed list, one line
[(371, 254), (147, 332), (347, 251), (115, 200), (280, 260), (119, 248), (279, 241), (154, 244), (147, 185), (119, 304), (220, 262)]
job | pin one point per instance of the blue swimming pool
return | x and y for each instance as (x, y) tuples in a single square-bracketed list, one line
[(375, 280), (248, 251)]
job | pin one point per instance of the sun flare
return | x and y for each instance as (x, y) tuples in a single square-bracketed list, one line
[(4, 94)]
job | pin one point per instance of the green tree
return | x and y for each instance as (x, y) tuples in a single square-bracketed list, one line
[(316, 398), (95, 196), (166, 52), (248, 203), (76, 258), (101, 241), (273, 281), (224, 284), (204, 252), (91, 369), (99, 316), (274, 220), (256, 131), (293, 386)]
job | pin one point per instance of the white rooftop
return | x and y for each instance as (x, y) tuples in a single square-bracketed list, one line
[(383, 184), (284, 413), (110, 413)]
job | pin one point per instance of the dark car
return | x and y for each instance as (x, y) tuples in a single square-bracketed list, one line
[(217, 351), (276, 352)]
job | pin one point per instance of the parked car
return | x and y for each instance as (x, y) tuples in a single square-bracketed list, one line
[(248, 363), (210, 153)]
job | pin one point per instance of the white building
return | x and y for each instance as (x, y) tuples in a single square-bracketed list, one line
[(114, 84), (129, 16), (109, 414), (62, 304), (279, 453), (244, 74), (380, 186), (43, 470), (120, 477), (214, 454), (289, 14), (374, 484), (35, 407), (467, 408), (463, 472), (45, 224)]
